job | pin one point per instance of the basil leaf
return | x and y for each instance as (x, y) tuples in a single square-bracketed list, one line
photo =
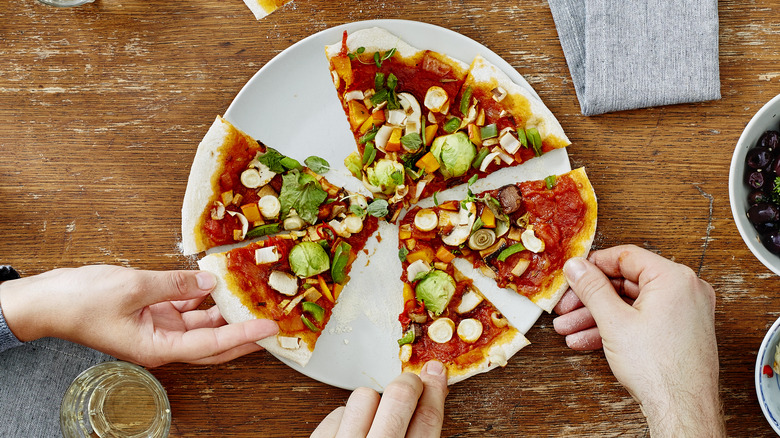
[(377, 61), (370, 135), (272, 159), (303, 193), (392, 81), (379, 97), (402, 253), (290, 163), (317, 165), (397, 177), (503, 255), (369, 153), (263, 230), (389, 54), (411, 141), (378, 208), (379, 81), (360, 50), (357, 210)]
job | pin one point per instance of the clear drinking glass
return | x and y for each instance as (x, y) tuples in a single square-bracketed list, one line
[(115, 399), (65, 3)]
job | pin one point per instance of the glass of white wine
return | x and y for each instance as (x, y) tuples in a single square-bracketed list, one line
[(65, 3), (115, 399)]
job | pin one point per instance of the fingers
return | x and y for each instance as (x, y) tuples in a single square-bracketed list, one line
[(630, 262), (359, 413), (398, 404), (210, 318), (429, 416), (228, 355), (574, 321), (330, 425), (569, 301), (157, 286), (196, 344), (594, 289), (585, 340)]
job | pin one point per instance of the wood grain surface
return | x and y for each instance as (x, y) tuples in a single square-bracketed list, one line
[(102, 107)]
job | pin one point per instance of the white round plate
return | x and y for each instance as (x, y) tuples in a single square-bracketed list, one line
[(291, 105), (768, 388)]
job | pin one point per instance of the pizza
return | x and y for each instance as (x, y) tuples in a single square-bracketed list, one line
[(424, 121), (446, 318), (519, 234), (262, 8), (292, 278), (240, 189)]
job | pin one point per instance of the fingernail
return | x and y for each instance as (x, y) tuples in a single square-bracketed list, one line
[(206, 280), (434, 368), (574, 269)]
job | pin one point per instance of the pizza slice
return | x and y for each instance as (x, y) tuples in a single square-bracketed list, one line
[(293, 278), (520, 234), (445, 317), (240, 189), (396, 98), (262, 8), (506, 122)]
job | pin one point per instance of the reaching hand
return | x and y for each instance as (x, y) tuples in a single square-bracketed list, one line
[(655, 320), (411, 406), (147, 317)]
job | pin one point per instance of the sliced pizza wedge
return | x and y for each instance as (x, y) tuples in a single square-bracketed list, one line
[(445, 317), (397, 99), (261, 8), (520, 234), (240, 189), (292, 278)]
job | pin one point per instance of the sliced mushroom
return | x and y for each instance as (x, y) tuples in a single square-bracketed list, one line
[(531, 242), (460, 233), (244, 225), (469, 302), (416, 268), (413, 112), (510, 143), (268, 254), (494, 250), (283, 283)]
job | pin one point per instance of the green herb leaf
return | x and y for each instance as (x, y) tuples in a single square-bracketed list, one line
[(378, 208), (379, 81), (775, 195), (377, 60), (392, 81), (550, 182), (370, 135), (303, 193), (389, 54), (360, 50), (369, 153), (465, 100), (379, 97), (271, 158), (290, 163), (452, 125), (397, 177), (263, 230), (402, 253), (535, 140), (411, 141), (338, 268), (517, 247), (317, 165), (357, 210)]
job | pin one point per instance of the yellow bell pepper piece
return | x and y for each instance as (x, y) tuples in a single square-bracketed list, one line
[(488, 218), (408, 292), (425, 254), (343, 66), (430, 132), (357, 114), (394, 142), (368, 124), (444, 254), (251, 212), (428, 163), (337, 290), (325, 290)]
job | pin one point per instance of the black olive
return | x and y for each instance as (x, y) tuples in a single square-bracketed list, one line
[(755, 179), (772, 242), (762, 213), (757, 196), (769, 140), (759, 158)]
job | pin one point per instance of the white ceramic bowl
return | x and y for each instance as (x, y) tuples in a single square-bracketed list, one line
[(768, 388), (768, 117)]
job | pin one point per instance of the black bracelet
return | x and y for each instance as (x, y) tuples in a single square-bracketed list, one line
[(8, 273)]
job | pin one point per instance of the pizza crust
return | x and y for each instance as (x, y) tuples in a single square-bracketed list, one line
[(500, 350), (262, 8), (234, 311), (519, 101), (580, 244), (376, 39), (203, 183)]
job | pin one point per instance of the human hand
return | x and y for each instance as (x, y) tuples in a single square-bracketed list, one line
[(411, 406), (146, 317), (655, 321)]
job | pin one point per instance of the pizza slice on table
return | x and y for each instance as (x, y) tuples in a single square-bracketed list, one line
[(292, 278), (445, 317), (240, 189), (520, 234), (262, 8)]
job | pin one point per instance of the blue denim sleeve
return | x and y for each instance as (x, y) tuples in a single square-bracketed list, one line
[(7, 338)]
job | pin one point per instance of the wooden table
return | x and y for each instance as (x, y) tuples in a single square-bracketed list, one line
[(104, 105)]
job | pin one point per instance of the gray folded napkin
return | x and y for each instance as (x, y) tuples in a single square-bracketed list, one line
[(33, 379), (626, 54)]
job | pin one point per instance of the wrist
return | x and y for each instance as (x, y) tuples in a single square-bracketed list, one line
[(682, 414), (18, 302)]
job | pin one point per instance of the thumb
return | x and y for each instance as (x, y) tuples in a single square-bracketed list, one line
[(158, 286), (593, 288)]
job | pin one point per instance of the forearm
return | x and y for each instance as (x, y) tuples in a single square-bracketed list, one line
[(682, 414), (26, 308)]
